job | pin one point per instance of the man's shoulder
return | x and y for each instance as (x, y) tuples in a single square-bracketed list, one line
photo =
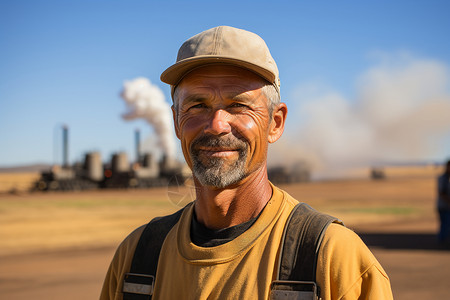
[(342, 242), (349, 268), (337, 235)]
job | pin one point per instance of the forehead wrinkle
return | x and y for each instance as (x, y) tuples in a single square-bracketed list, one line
[(200, 92), (226, 91)]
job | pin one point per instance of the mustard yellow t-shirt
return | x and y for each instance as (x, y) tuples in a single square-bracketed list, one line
[(244, 267)]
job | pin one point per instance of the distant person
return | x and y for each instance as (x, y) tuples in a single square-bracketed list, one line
[(227, 243), (443, 205)]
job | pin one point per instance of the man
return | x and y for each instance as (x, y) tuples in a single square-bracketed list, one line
[(443, 205), (226, 244)]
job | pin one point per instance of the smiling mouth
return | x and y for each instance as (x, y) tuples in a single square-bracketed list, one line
[(217, 152), (210, 147)]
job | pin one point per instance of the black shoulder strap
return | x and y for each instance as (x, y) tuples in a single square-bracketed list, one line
[(138, 284), (302, 236), (301, 241)]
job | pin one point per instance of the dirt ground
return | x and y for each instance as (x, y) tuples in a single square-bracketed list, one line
[(394, 217)]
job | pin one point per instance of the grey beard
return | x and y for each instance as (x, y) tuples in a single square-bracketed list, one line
[(215, 172)]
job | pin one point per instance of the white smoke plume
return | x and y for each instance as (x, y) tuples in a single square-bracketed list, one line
[(146, 100), (401, 112)]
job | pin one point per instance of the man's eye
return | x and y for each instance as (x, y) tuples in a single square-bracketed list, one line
[(238, 105), (199, 105)]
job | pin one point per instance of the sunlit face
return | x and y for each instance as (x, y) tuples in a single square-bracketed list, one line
[(222, 119)]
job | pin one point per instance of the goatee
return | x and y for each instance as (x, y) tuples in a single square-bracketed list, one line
[(217, 171)]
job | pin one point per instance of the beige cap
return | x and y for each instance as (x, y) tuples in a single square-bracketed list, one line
[(227, 45)]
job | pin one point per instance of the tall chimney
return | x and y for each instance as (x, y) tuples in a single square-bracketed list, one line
[(65, 146), (137, 138)]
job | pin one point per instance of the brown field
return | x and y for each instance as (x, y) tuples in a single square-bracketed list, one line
[(14, 182), (58, 245)]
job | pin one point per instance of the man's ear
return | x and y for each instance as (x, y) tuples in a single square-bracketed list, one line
[(276, 126), (175, 122)]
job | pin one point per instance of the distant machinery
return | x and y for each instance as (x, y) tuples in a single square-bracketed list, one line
[(119, 173), (298, 172), (377, 173), (78, 177)]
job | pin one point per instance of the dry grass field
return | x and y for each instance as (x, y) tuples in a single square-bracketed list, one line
[(58, 245), (17, 182), (33, 222)]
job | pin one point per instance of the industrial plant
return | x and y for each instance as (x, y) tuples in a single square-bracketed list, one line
[(145, 172), (92, 173)]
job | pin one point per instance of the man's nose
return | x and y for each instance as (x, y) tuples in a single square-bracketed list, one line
[(219, 123)]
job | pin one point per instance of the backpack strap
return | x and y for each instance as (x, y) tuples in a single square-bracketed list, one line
[(300, 245), (139, 282)]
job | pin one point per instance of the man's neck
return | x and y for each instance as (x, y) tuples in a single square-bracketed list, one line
[(222, 208)]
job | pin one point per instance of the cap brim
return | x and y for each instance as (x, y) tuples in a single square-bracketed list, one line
[(177, 71)]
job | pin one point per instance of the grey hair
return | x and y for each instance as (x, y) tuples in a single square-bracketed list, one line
[(272, 95)]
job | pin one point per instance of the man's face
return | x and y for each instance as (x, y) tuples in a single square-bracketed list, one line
[(222, 119)]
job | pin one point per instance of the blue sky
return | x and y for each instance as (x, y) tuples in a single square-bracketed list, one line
[(64, 62)]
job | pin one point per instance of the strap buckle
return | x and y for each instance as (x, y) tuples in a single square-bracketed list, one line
[(294, 290), (138, 284)]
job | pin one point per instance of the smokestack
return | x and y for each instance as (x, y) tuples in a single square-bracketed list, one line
[(65, 162), (146, 101), (137, 138)]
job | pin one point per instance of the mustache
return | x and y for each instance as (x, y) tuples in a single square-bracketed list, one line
[(209, 140)]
